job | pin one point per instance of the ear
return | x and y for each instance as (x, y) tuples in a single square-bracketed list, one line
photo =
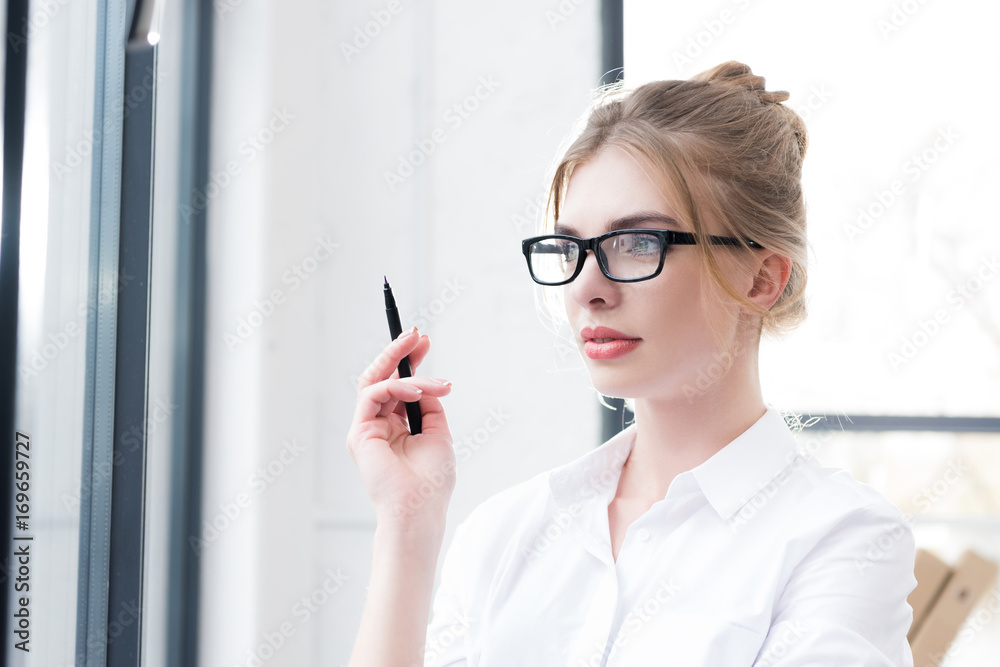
[(772, 276)]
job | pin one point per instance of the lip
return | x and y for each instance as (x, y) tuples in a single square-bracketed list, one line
[(604, 332), (612, 349)]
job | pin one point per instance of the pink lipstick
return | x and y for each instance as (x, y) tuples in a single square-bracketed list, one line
[(606, 343)]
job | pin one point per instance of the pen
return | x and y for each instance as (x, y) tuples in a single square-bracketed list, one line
[(395, 328)]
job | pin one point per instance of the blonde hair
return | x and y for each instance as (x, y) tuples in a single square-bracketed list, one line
[(722, 147)]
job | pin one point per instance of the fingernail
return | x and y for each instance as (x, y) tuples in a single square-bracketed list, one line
[(446, 383), (407, 334)]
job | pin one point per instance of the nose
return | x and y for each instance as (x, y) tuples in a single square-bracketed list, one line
[(592, 289)]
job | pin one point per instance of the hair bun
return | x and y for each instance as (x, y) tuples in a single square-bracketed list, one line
[(737, 75)]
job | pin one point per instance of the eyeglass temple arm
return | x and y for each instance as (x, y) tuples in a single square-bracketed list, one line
[(683, 238), (728, 240)]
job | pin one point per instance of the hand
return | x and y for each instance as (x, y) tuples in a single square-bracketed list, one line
[(409, 478)]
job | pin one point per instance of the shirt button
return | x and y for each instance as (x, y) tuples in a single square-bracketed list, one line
[(643, 534)]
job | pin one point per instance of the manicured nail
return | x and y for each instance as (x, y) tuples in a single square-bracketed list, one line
[(446, 383), (407, 334)]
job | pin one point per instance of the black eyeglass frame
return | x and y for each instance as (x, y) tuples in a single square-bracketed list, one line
[(668, 237)]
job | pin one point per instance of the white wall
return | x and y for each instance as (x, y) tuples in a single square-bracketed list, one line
[(448, 239)]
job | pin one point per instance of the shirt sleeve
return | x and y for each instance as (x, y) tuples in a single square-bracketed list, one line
[(845, 602), (449, 629)]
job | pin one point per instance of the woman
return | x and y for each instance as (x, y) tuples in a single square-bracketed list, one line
[(702, 534)]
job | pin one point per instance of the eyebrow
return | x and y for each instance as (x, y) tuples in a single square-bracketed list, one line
[(627, 222)]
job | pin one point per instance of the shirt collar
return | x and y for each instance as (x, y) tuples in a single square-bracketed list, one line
[(595, 474), (748, 464), (730, 478)]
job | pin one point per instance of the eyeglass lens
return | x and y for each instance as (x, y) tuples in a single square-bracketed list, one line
[(628, 256)]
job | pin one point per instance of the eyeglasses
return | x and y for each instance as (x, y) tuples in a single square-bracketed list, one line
[(625, 256)]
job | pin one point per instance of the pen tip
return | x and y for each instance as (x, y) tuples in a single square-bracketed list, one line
[(386, 281)]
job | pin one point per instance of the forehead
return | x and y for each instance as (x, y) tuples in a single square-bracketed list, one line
[(612, 190), (637, 219)]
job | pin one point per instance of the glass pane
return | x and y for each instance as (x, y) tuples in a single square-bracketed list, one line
[(554, 260), (52, 317), (632, 255)]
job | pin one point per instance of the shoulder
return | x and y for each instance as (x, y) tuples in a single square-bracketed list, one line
[(834, 495), (840, 515), (847, 575)]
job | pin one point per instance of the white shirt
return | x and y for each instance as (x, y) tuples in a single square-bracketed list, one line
[(759, 556)]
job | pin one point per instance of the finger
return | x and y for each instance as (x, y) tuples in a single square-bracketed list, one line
[(433, 420), (382, 398), (388, 361), (419, 352), (416, 356), (400, 408)]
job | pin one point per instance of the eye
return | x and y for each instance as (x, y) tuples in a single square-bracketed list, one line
[(641, 245), (569, 250)]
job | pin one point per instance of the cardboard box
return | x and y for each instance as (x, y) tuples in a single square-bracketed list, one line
[(932, 574), (972, 577)]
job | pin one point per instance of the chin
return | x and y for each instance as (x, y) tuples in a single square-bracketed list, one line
[(617, 383)]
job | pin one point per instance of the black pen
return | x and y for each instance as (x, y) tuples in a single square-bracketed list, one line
[(395, 328)]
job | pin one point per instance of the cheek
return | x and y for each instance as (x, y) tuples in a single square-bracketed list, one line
[(684, 316), (676, 294)]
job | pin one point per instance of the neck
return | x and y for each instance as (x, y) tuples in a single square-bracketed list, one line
[(677, 433)]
